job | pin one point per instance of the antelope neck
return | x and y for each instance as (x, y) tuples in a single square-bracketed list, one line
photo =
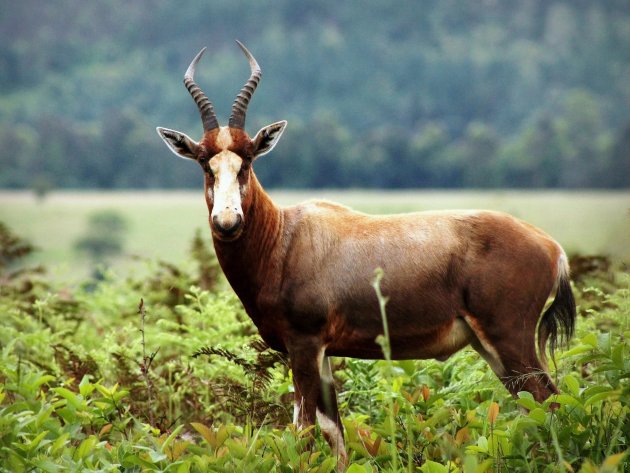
[(249, 261)]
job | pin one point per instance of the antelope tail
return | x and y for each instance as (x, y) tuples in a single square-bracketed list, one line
[(558, 321)]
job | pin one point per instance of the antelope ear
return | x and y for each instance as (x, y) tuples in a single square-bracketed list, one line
[(179, 143), (267, 137)]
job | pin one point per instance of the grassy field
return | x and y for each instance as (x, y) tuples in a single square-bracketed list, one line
[(161, 224)]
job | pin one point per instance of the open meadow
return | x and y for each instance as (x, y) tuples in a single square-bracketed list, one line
[(160, 224), (154, 366)]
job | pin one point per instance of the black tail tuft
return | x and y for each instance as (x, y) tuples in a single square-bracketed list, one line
[(558, 321)]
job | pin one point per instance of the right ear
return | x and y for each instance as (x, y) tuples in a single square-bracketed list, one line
[(267, 137), (179, 143)]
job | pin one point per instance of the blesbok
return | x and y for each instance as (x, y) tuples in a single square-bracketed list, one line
[(304, 273)]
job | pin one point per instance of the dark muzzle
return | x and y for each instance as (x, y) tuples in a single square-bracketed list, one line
[(227, 229)]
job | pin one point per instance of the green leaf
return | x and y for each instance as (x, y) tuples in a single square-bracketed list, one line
[(105, 392), (590, 339), (565, 400), (592, 390), (408, 366), (135, 460), (601, 396), (612, 462), (60, 442), (470, 463), (604, 342), (184, 467), (41, 380), (526, 400), (43, 415), (538, 415), (327, 466), (170, 438), (357, 468), (433, 467), (214, 438), (48, 466), (572, 384), (617, 356), (85, 448), (34, 444), (85, 387), (157, 457), (577, 350), (207, 433), (239, 451), (120, 395), (69, 396)]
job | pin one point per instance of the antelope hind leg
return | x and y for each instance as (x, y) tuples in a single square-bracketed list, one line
[(328, 415)]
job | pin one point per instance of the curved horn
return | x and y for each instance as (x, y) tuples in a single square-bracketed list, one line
[(208, 117), (239, 108)]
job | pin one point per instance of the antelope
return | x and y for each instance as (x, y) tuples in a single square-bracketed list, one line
[(304, 273)]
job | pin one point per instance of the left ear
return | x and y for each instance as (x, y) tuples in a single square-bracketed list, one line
[(179, 143), (267, 137)]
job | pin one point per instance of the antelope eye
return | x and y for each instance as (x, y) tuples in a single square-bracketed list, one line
[(243, 171), (203, 162)]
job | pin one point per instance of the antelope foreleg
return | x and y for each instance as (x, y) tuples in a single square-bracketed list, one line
[(315, 397), (304, 357)]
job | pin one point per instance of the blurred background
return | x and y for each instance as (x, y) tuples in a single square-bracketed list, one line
[(451, 95), (438, 94)]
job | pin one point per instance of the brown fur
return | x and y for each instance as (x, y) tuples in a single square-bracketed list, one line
[(312, 265), (307, 270)]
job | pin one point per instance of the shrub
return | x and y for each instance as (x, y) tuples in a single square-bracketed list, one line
[(104, 236)]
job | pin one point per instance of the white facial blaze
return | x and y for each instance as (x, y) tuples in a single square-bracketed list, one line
[(224, 138), (226, 194)]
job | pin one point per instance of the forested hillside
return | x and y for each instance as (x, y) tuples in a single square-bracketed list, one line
[(530, 93)]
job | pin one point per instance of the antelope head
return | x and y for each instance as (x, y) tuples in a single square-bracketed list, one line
[(225, 153)]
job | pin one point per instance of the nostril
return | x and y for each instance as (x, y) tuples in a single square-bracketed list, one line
[(231, 230), (237, 223), (227, 229)]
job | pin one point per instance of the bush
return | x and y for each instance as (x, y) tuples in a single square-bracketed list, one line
[(104, 236)]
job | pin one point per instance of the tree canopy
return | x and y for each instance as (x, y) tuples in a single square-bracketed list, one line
[(516, 93)]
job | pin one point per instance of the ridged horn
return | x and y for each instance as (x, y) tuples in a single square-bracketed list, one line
[(239, 108), (208, 117)]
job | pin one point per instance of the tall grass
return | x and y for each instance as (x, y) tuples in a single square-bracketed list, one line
[(385, 343)]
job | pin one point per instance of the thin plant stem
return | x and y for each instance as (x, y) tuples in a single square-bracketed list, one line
[(384, 342), (146, 363)]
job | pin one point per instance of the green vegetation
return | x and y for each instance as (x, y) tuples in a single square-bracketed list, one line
[(165, 372), (104, 237), (516, 93)]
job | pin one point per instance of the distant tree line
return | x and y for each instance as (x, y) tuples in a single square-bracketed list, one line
[(399, 95)]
